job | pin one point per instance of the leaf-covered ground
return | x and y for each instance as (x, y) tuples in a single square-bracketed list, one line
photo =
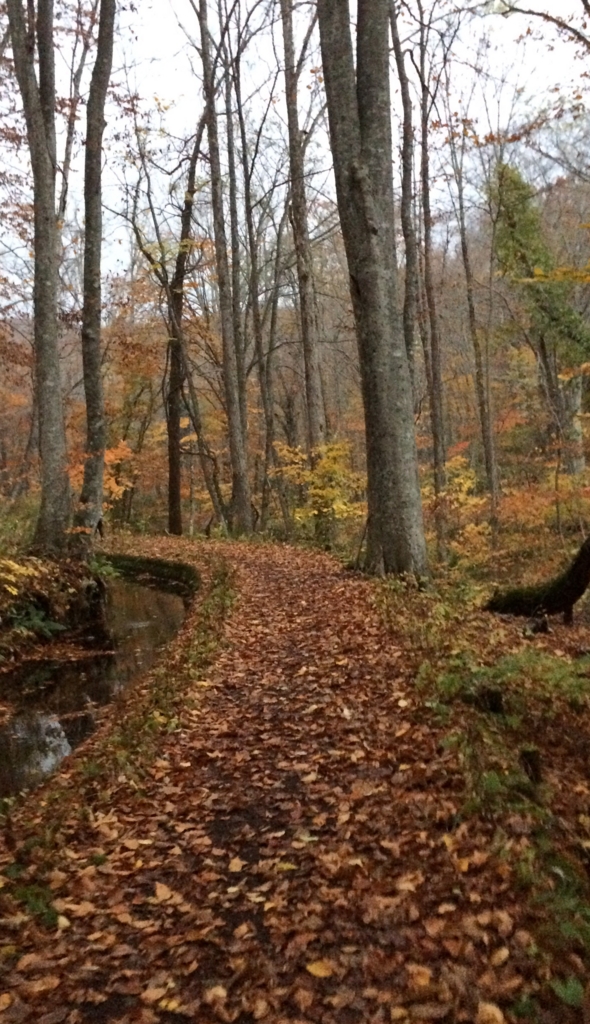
[(291, 846)]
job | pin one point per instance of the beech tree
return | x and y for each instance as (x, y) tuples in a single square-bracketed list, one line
[(360, 132)]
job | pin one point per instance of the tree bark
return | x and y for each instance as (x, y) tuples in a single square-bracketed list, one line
[(89, 512), (51, 536), (360, 133), (241, 509)]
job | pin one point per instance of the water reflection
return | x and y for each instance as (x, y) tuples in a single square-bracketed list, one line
[(55, 700)]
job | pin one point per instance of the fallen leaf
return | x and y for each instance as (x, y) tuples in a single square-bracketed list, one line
[(260, 1009), (303, 999), (151, 995), (320, 968), (499, 956), (5, 1001), (39, 987), (163, 893), (419, 977), (489, 1013), (236, 864), (429, 1011), (434, 926), (216, 994)]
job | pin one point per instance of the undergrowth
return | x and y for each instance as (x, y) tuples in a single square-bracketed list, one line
[(502, 700)]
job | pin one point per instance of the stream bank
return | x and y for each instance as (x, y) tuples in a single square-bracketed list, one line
[(54, 699)]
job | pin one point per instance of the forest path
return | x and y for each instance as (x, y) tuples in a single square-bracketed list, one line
[(287, 856)]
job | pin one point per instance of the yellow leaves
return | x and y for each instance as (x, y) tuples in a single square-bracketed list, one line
[(328, 483), (5, 1001), (320, 968)]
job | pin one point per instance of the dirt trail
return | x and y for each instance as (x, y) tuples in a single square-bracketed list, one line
[(293, 853)]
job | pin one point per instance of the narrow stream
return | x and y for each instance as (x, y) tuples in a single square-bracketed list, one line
[(56, 701)]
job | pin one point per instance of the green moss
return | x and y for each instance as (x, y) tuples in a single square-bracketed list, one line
[(174, 577)]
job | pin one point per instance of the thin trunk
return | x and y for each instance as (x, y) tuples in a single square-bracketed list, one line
[(173, 417), (51, 535), (481, 391), (407, 213), (263, 360), (271, 460), (316, 425), (89, 513), (236, 270), (241, 510), (436, 389), (180, 371)]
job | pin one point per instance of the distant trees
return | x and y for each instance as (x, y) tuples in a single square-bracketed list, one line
[(557, 333), (307, 356)]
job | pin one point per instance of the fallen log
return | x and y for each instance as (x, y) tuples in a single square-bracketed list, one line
[(557, 595)]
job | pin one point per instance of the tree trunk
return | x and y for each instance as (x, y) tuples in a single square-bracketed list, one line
[(558, 595), (180, 371), (481, 391), (236, 269), (436, 387), (316, 425), (241, 509), (51, 536), (360, 133), (564, 401), (573, 435), (407, 213), (89, 513)]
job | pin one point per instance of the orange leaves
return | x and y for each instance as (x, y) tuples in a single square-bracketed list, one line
[(273, 854)]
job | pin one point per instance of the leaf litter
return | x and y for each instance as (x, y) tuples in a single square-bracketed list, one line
[(293, 852)]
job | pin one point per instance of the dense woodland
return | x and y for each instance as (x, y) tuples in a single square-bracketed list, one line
[(294, 331), (234, 363)]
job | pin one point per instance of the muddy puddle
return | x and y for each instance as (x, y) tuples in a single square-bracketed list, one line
[(56, 703)]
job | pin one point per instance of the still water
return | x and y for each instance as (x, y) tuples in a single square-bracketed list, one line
[(56, 701)]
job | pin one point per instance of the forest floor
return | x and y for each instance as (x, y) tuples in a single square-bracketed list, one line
[(297, 816)]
